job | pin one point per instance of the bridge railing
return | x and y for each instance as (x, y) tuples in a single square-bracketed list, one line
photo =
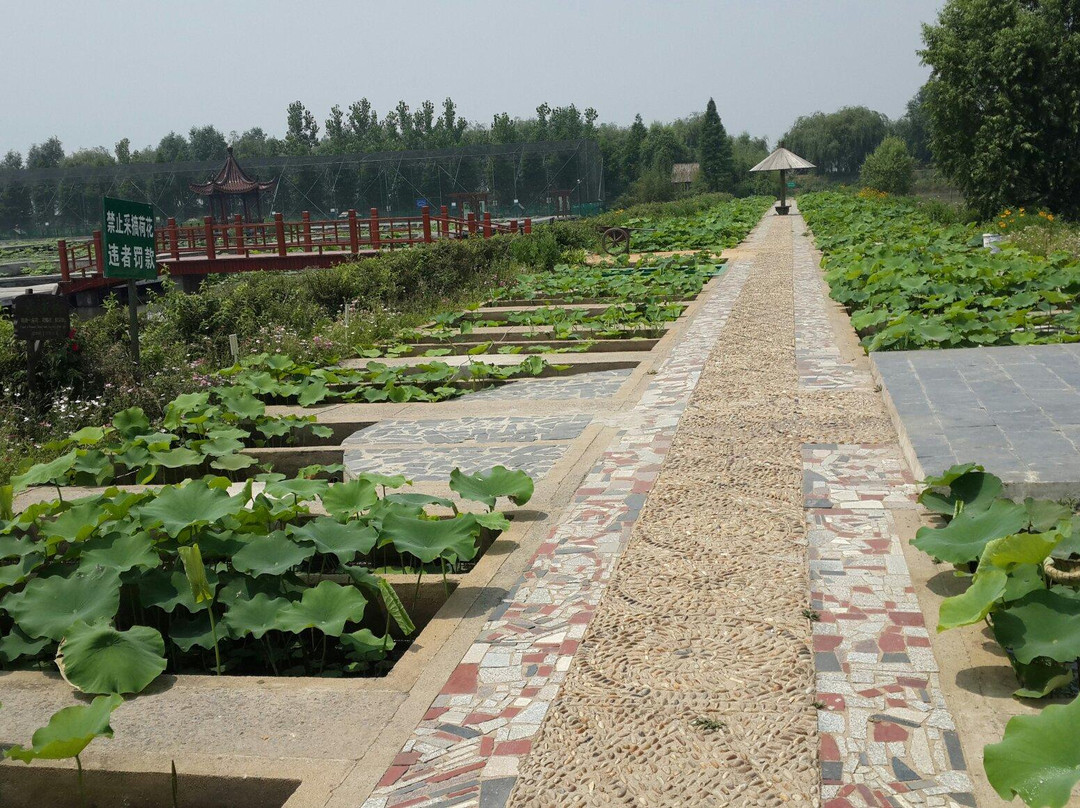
[(216, 241)]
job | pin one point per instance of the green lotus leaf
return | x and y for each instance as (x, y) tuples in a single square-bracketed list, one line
[(365, 646), (331, 537), (273, 554), (429, 539), (47, 607), (975, 602), (312, 393), (224, 432), (1042, 624), (88, 435), (1020, 548), (15, 546), (1039, 757), (376, 588), (385, 480), (488, 486), (254, 616), (950, 474), (493, 520), (179, 507), (975, 489), (96, 658), (1045, 514), (297, 487), (119, 551), (233, 462), (275, 428), (185, 404), (19, 570), (92, 466), (45, 473), (421, 500), (240, 402), (157, 441), (131, 422), (177, 458), (16, 644), (195, 631), (218, 446), (167, 590), (349, 499), (1023, 578), (70, 731), (1041, 677), (967, 535), (326, 607), (76, 523)]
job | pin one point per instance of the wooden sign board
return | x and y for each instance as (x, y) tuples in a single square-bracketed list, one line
[(41, 317)]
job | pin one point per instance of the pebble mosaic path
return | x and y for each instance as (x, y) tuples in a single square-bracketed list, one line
[(658, 649)]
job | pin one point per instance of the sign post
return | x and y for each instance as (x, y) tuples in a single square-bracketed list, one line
[(39, 319), (130, 254)]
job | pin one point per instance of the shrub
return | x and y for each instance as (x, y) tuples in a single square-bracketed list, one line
[(890, 168)]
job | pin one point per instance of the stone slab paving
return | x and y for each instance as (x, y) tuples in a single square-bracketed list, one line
[(601, 384), (468, 748), (1015, 409), (886, 735)]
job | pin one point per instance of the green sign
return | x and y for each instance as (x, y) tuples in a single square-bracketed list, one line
[(791, 184), (129, 239)]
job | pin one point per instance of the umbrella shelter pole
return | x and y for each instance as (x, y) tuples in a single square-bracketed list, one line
[(783, 188)]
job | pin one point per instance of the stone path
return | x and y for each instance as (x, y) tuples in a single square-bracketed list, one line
[(1016, 410), (724, 616)]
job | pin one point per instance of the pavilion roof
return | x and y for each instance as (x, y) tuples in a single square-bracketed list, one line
[(782, 159), (231, 179)]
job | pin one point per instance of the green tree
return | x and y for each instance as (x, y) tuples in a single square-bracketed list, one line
[(890, 168), (15, 206), (207, 143), (714, 152), (1002, 101), (914, 129), (838, 142)]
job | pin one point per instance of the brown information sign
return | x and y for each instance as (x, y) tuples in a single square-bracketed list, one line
[(41, 317)]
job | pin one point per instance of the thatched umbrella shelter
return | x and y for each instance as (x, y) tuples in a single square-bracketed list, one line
[(783, 161)]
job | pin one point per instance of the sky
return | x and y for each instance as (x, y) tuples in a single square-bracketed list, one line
[(93, 72)]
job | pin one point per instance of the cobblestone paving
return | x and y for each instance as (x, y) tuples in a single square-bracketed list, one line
[(423, 465), (509, 429), (657, 652), (468, 748), (601, 384)]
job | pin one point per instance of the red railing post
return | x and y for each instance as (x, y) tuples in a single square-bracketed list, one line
[(444, 223), (279, 227), (238, 220), (61, 247), (487, 224), (528, 225), (174, 239), (373, 228), (306, 218), (99, 252), (513, 226), (208, 229), (470, 221), (354, 233), (425, 214)]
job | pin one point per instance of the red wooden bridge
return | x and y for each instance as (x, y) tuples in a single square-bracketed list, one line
[(239, 246)]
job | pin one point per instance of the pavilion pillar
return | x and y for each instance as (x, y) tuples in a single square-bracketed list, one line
[(208, 230), (513, 225), (305, 217), (65, 272), (425, 215), (354, 233), (528, 225), (238, 220), (487, 224), (174, 238), (279, 228), (471, 223), (444, 222), (99, 252)]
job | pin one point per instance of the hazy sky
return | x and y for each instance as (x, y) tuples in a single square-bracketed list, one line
[(93, 72)]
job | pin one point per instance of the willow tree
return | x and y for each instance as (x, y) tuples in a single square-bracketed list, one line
[(1003, 101)]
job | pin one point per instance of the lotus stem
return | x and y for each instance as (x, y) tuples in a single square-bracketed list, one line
[(213, 633), (82, 785), (416, 592)]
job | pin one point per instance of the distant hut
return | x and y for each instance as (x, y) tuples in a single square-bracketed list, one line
[(232, 188), (684, 174)]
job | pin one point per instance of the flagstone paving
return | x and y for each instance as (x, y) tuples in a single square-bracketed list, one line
[(723, 616)]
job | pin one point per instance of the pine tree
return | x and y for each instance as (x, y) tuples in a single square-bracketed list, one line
[(715, 152)]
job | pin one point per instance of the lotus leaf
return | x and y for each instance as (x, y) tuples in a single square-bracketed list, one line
[(76, 523), (131, 422), (18, 571), (298, 488), (195, 632), (365, 646), (349, 499), (273, 554), (331, 537), (967, 535), (1042, 624), (119, 551), (1040, 677), (1045, 514), (167, 590), (326, 607), (70, 731), (429, 539), (488, 486), (43, 473), (47, 607), (16, 644), (975, 602), (233, 462), (254, 616), (180, 507), (1039, 757), (975, 489), (96, 658)]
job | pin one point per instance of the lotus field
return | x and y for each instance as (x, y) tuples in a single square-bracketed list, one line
[(911, 282)]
